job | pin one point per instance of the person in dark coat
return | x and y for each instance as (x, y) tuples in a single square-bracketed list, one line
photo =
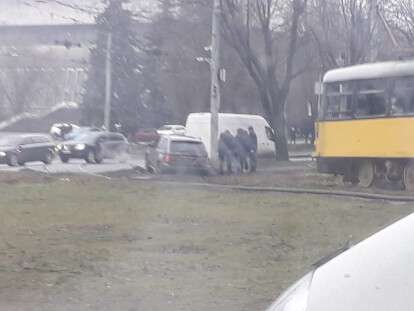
[(248, 146), (225, 151), (253, 149), (242, 148)]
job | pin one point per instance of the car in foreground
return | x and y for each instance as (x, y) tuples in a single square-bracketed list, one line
[(376, 274), (177, 154), (171, 129), (18, 149), (94, 147)]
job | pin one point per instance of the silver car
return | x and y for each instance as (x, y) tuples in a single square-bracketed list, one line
[(376, 274), (176, 154)]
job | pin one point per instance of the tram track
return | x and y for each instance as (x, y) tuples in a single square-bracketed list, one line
[(289, 190)]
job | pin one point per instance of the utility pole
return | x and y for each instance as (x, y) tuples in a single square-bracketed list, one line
[(373, 53), (108, 83), (215, 80)]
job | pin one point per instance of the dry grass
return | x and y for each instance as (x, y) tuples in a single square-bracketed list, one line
[(90, 244)]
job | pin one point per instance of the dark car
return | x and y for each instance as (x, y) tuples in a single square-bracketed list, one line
[(94, 147), (175, 153), (17, 149)]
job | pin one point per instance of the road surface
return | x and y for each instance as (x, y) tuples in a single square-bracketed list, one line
[(79, 166)]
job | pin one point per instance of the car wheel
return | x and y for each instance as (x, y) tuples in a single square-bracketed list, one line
[(204, 172), (12, 159), (64, 158), (157, 169), (150, 169), (98, 156), (123, 157), (90, 156), (48, 157)]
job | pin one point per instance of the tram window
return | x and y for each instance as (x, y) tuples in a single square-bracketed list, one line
[(332, 107), (398, 106), (371, 98), (402, 99), (338, 104), (339, 107), (370, 105)]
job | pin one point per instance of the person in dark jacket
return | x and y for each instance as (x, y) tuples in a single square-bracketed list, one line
[(253, 149), (225, 151), (242, 148)]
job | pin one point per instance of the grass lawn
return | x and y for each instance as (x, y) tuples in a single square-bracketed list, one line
[(90, 244)]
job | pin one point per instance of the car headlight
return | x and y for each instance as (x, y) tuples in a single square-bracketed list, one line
[(80, 146), (59, 147), (295, 298), (2, 154)]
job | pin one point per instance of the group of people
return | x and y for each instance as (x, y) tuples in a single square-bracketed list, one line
[(307, 133), (238, 154)]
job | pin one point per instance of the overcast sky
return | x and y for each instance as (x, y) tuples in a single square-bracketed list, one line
[(18, 12)]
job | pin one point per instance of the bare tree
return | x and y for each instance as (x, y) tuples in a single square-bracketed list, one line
[(29, 82), (343, 30), (266, 35), (400, 16)]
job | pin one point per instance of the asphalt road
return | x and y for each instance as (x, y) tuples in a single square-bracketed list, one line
[(80, 166), (76, 166)]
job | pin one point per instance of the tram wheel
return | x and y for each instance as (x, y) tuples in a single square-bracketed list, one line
[(366, 173), (408, 177)]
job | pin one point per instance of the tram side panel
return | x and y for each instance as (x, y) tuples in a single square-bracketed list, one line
[(340, 142)]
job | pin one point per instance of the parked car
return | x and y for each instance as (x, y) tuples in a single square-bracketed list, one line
[(174, 153), (68, 131), (376, 274), (94, 147), (79, 131), (198, 125), (18, 149), (146, 136), (170, 129)]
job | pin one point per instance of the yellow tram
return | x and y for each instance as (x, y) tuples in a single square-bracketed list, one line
[(365, 127)]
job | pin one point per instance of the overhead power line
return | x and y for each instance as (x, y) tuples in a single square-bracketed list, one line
[(84, 9)]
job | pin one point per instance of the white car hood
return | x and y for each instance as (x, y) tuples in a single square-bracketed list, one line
[(376, 274)]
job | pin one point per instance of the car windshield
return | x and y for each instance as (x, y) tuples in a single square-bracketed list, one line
[(202, 154), (188, 148)]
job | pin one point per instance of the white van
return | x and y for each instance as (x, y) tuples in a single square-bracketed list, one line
[(198, 125)]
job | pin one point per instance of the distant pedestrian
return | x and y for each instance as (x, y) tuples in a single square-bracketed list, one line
[(292, 134), (253, 149)]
